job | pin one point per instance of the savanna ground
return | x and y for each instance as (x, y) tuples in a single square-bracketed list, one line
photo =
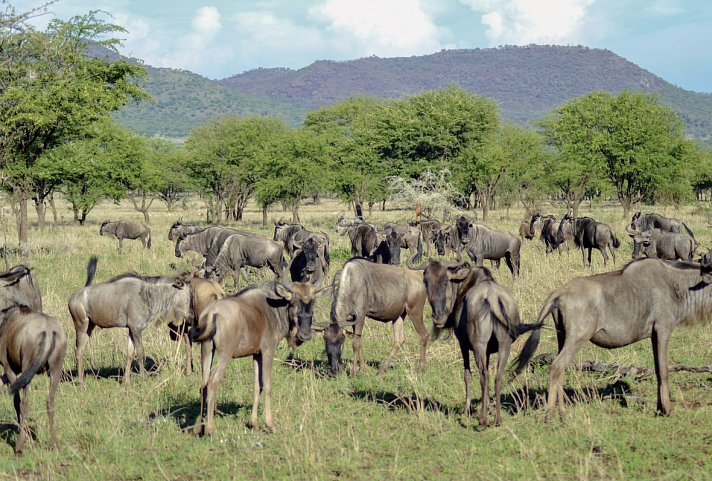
[(403, 425)]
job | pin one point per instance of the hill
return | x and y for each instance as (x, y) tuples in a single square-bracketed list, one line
[(527, 82)]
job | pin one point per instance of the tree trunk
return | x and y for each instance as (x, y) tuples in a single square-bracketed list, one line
[(22, 225), (53, 207), (485, 209), (383, 205), (264, 216), (370, 208), (295, 211), (83, 217), (40, 208)]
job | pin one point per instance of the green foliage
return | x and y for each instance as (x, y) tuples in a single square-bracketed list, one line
[(164, 171)]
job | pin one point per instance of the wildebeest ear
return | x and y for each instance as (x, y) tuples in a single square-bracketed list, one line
[(179, 284), (282, 292), (326, 291), (706, 267), (459, 274)]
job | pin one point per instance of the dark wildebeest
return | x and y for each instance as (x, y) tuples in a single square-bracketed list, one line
[(122, 229), (647, 298), (589, 234), (19, 286), (239, 251), (657, 244), (463, 225), (485, 319), (549, 230), (179, 228), (429, 229), (126, 301), (31, 343), (388, 249), (250, 323), (656, 221), (411, 236), (307, 264), (447, 240), (486, 243), (206, 242), (381, 292), (294, 235), (364, 239)]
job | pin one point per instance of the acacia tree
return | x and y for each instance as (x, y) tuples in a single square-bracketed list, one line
[(50, 92), (224, 158)]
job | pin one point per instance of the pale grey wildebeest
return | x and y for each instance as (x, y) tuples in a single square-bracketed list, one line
[(485, 319), (485, 243), (130, 302), (122, 229), (647, 298), (240, 251), (181, 228), (662, 245), (657, 221), (590, 234), (19, 286), (206, 242), (381, 292), (31, 343), (251, 323)]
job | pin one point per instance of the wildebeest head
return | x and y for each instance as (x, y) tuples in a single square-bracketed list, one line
[(463, 228), (441, 239), (641, 242), (309, 248), (172, 232), (301, 297), (706, 267), (394, 242), (103, 225), (440, 280), (334, 336)]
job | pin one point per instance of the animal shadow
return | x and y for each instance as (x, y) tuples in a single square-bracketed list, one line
[(9, 432), (411, 403), (116, 373), (525, 398), (187, 415)]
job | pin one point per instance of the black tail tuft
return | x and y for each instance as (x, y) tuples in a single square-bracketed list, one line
[(39, 360), (148, 241), (91, 270), (616, 241), (529, 347)]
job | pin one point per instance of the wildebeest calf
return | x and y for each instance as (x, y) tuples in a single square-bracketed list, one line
[(31, 343)]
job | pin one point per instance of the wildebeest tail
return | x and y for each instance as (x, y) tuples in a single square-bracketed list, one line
[(689, 232), (148, 238), (616, 241), (419, 248), (91, 270), (206, 331), (39, 359), (532, 343)]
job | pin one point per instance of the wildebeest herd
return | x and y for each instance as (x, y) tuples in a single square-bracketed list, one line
[(662, 286)]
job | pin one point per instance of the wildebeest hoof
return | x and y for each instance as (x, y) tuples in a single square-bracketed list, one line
[(253, 424), (199, 430)]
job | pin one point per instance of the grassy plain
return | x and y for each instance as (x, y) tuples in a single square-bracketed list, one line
[(403, 425)]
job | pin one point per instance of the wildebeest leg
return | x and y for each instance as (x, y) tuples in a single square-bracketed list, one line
[(188, 342), (21, 405), (130, 354), (613, 252), (206, 360), (55, 375), (258, 370), (398, 340), (83, 333), (416, 315), (467, 374), (480, 350), (358, 362), (660, 353), (502, 357), (603, 253), (556, 389), (213, 382), (267, 357), (121, 242), (589, 255)]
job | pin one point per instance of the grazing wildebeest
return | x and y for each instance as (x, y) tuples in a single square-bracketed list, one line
[(485, 319), (250, 323), (122, 229), (308, 264), (180, 228), (589, 234), (342, 224), (381, 292), (19, 286), (647, 298), (656, 221), (662, 245), (126, 301), (429, 229), (203, 292), (31, 343), (239, 251), (364, 239), (206, 242), (486, 243)]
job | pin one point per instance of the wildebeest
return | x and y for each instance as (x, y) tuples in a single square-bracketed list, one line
[(31, 343), (486, 243), (589, 234), (381, 292), (429, 229), (662, 245), (206, 242), (250, 323), (122, 229), (342, 224), (126, 301), (647, 298), (308, 264), (411, 238), (484, 317), (180, 228), (388, 249), (363, 238), (19, 286), (657, 221), (293, 236), (447, 240), (549, 230), (239, 251), (529, 228)]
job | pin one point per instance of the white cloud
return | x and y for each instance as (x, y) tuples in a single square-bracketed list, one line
[(207, 21), (264, 30), (385, 28), (522, 22)]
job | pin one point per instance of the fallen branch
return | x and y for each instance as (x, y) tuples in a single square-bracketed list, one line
[(617, 370)]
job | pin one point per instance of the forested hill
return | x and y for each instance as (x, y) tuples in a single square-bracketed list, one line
[(527, 82)]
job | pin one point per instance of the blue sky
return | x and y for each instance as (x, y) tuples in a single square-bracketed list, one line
[(220, 38)]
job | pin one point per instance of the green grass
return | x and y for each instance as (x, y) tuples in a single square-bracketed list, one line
[(403, 425)]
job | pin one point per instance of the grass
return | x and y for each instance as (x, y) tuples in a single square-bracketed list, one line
[(403, 425)]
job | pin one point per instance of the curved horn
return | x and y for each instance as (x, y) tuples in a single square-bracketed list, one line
[(631, 232), (419, 267)]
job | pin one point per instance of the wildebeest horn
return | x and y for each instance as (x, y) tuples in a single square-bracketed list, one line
[(419, 267), (631, 232), (320, 325)]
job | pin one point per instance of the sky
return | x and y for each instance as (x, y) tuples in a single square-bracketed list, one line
[(221, 38)]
